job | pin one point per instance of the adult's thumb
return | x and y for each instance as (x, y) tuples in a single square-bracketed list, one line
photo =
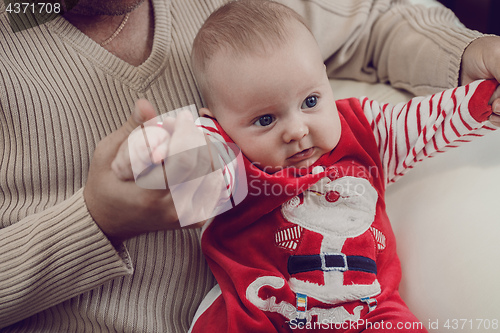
[(143, 112)]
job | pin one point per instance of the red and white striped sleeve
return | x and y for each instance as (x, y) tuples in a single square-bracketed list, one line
[(225, 152), (425, 126)]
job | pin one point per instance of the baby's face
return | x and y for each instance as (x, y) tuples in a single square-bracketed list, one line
[(279, 107)]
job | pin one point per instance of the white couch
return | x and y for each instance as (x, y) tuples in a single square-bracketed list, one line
[(445, 216)]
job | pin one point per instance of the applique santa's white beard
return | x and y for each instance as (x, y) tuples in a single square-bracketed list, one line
[(339, 210)]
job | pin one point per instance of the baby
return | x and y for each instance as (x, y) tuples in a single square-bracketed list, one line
[(311, 246)]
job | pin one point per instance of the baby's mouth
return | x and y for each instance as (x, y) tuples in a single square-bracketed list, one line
[(302, 155)]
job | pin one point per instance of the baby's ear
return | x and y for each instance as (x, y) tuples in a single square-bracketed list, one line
[(204, 112)]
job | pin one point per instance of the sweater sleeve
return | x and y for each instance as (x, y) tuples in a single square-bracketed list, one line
[(408, 133), (413, 47), (52, 256)]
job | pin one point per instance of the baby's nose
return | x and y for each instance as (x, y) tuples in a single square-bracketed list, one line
[(295, 131)]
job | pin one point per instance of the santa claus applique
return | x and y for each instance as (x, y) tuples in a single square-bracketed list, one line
[(333, 245)]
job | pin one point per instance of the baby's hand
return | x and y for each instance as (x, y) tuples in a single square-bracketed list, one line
[(146, 146)]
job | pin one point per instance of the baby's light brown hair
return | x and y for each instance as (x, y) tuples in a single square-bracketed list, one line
[(241, 28)]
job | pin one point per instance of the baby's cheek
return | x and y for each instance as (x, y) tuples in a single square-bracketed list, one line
[(335, 130)]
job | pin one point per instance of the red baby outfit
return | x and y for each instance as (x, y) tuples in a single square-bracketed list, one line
[(314, 249)]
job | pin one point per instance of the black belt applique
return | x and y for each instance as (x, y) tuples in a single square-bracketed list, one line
[(330, 262)]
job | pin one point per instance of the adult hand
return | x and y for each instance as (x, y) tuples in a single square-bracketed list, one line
[(481, 60), (495, 106), (146, 148), (121, 208), (174, 154), (174, 148)]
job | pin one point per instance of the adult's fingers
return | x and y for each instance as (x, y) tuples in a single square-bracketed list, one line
[(145, 147), (495, 120), (495, 96), (143, 111), (495, 117), (183, 157)]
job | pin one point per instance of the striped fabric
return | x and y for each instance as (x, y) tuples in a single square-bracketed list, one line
[(288, 238), (61, 93), (425, 126)]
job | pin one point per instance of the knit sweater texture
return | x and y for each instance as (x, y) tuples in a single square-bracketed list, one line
[(61, 93)]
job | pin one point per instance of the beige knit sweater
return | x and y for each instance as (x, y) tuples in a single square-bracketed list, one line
[(60, 93)]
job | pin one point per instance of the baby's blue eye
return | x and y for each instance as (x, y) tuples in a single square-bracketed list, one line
[(309, 102), (265, 120)]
